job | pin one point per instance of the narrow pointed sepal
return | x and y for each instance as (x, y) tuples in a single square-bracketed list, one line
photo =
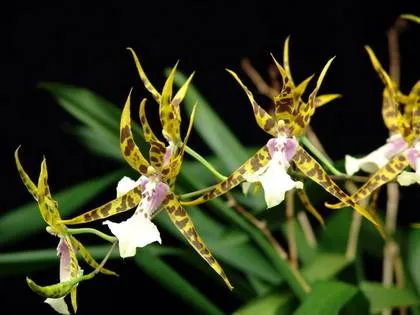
[(304, 199), (123, 203), (129, 149), (382, 176), (29, 184), (255, 163), (311, 168), (147, 84), (264, 120), (184, 224)]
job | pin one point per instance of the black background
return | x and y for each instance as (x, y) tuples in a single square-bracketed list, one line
[(85, 46)]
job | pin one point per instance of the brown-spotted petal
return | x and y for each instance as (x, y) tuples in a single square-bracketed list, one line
[(123, 203), (179, 96), (29, 184), (128, 147), (157, 148), (47, 206), (321, 100), (256, 162), (382, 176), (143, 77), (284, 102), (304, 199), (311, 168), (264, 120), (170, 116), (171, 171), (286, 62), (184, 224)]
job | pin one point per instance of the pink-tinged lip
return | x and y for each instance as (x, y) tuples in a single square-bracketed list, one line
[(286, 145)]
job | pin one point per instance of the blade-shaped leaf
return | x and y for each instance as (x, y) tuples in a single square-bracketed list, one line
[(170, 279), (326, 298), (324, 266), (381, 298), (272, 304), (100, 115), (11, 227)]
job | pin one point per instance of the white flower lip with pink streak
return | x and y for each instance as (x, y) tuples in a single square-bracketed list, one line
[(59, 304), (409, 178), (274, 177), (139, 230), (376, 159)]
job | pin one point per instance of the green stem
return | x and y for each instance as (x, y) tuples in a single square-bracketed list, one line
[(305, 141), (102, 235), (195, 193), (203, 161)]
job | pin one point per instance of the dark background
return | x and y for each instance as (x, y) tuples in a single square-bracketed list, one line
[(85, 46)]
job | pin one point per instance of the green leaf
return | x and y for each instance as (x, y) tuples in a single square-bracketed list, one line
[(171, 280), (100, 115), (211, 127), (381, 298), (326, 298), (90, 108), (324, 266), (96, 143), (336, 232), (26, 220), (272, 304)]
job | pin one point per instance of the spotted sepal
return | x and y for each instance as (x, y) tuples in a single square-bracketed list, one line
[(29, 184), (306, 202), (157, 148), (382, 176), (390, 112), (184, 224), (170, 117), (53, 291), (321, 100), (123, 203), (128, 147), (47, 206), (256, 162), (284, 102), (311, 168), (306, 110), (147, 84), (264, 120)]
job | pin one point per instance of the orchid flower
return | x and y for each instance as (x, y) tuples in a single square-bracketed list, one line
[(155, 187), (269, 166), (392, 119), (68, 245), (407, 125)]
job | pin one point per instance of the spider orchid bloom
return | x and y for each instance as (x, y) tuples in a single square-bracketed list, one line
[(270, 164), (154, 189), (391, 117), (408, 126), (68, 245)]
